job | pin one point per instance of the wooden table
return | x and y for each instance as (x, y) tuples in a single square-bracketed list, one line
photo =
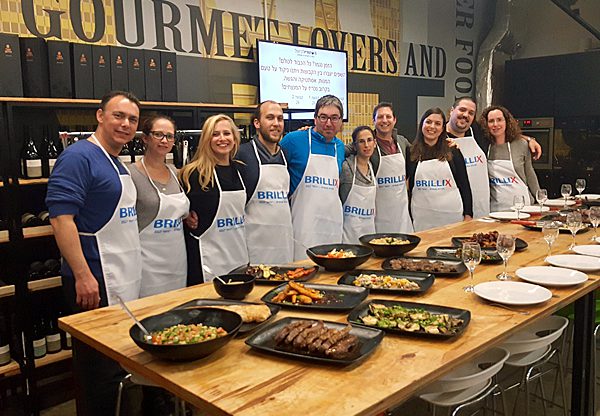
[(239, 381)]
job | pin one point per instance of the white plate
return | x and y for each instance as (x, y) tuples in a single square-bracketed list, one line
[(551, 276), (512, 293), (588, 250), (532, 209), (509, 215), (590, 196), (575, 261), (558, 202)]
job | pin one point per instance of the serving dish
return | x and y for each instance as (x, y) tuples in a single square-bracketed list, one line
[(246, 327), (488, 256), (362, 254), (424, 280), (520, 244), (537, 226), (234, 286), (278, 270), (264, 340), (229, 321), (359, 313), (389, 250), (430, 264), (337, 298)]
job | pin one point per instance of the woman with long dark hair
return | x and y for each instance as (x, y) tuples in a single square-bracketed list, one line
[(438, 183)]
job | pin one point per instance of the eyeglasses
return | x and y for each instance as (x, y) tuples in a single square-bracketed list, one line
[(323, 118), (159, 135)]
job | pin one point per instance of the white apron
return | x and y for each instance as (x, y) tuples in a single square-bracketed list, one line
[(119, 243), (164, 260), (269, 232), (223, 245), (359, 210), (392, 197), (505, 184), (316, 206), (476, 163), (435, 199)]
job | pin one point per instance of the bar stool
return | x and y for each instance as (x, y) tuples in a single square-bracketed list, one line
[(469, 384), (136, 379), (532, 350)]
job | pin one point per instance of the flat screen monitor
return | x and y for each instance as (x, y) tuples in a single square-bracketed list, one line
[(300, 75)]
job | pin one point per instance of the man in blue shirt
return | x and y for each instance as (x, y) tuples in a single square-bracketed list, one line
[(315, 158)]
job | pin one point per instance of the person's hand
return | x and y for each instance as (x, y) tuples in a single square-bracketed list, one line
[(467, 218), (451, 142), (535, 148), (88, 292), (191, 221)]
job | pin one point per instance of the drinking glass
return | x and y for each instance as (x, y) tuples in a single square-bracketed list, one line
[(550, 230), (541, 196), (574, 222), (595, 220), (505, 244), (471, 257), (580, 186), (518, 204), (565, 191)]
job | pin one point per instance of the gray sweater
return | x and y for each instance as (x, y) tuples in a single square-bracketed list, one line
[(147, 198), (521, 159), (347, 178)]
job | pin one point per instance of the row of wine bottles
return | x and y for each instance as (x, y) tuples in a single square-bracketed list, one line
[(31, 220), (47, 337), (43, 269), (37, 163)]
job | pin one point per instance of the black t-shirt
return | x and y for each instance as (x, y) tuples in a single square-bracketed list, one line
[(250, 169)]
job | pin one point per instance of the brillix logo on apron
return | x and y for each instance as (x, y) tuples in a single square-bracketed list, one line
[(505, 184), (359, 210)]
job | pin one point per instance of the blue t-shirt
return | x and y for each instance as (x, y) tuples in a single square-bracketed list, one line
[(85, 184), (295, 148)]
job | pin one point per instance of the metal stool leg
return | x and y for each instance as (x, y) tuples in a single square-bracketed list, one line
[(120, 394), (489, 392)]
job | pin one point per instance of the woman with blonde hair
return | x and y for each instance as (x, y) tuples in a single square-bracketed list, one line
[(217, 196)]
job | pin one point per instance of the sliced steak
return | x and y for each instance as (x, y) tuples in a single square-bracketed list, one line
[(344, 348), (294, 332), (300, 341), (285, 331), (333, 338)]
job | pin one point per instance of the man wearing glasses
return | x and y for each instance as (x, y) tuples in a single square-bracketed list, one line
[(91, 199), (315, 158)]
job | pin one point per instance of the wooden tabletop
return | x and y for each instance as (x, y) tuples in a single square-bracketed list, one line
[(239, 381)]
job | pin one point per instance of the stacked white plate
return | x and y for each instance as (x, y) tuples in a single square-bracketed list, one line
[(590, 196), (588, 250), (509, 215), (551, 276), (532, 209), (512, 293), (575, 261), (558, 202)]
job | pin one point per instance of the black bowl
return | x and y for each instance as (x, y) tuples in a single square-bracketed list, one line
[(229, 321), (237, 291), (389, 250), (339, 265)]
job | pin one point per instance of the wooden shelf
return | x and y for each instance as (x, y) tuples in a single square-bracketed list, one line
[(10, 369), (53, 358), (31, 232), (3, 236), (43, 284), (79, 101), (7, 290), (27, 182)]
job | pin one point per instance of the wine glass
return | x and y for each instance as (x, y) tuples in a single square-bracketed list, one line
[(550, 230), (505, 245), (541, 196), (471, 257), (574, 221), (518, 204), (565, 191), (594, 216), (580, 186)]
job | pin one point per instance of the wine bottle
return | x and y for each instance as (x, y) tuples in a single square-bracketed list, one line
[(169, 159), (4, 341), (37, 270), (51, 154), (52, 335), (125, 155), (53, 267), (31, 162), (137, 148), (30, 220), (44, 217), (65, 336), (39, 339)]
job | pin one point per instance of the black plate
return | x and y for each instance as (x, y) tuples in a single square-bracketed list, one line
[(229, 321), (278, 269), (424, 280), (449, 253), (264, 340), (246, 328), (389, 250), (363, 253), (563, 229), (363, 310), (386, 265), (519, 243), (348, 297)]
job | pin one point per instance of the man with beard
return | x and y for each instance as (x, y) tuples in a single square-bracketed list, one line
[(474, 148), (268, 218)]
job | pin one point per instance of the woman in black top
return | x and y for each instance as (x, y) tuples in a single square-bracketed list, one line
[(217, 195), (437, 177)]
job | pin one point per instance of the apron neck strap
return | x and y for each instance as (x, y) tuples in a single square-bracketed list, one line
[(96, 141)]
